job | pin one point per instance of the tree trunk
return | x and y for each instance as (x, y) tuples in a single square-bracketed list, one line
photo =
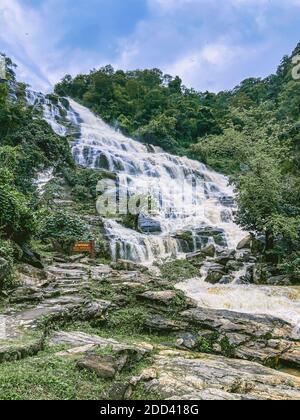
[(270, 244)]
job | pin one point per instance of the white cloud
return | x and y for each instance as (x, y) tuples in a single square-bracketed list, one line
[(213, 66), (31, 38), (211, 44)]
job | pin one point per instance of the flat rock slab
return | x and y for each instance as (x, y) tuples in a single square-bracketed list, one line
[(159, 323), (165, 297), (183, 376), (235, 322), (78, 339), (260, 338)]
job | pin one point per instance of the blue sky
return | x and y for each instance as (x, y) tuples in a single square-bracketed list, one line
[(211, 44)]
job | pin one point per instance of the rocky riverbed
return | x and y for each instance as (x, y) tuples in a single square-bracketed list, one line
[(140, 337)]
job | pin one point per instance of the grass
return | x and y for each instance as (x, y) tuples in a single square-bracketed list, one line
[(179, 270), (48, 377)]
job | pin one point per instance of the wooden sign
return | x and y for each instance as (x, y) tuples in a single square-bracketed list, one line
[(82, 247)]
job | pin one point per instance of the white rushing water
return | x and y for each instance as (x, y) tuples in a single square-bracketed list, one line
[(188, 195)]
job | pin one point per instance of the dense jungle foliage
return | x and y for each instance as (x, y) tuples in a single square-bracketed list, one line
[(27, 146)]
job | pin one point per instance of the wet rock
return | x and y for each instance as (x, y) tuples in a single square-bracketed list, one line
[(226, 280), (204, 234), (179, 375), (215, 273), (245, 243), (148, 225), (233, 265), (196, 258), (128, 266), (279, 281), (227, 201), (209, 231), (209, 251), (245, 256), (224, 258), (226, 216), (186, 240), (200, 256), (214, 277)]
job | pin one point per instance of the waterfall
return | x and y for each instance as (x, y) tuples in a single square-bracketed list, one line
[(189, 197), (194, 206), (60, 118)]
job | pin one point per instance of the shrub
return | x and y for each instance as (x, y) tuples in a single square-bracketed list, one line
[(63, 229)]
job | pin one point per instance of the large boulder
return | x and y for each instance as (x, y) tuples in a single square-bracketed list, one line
[(215, 273), (245, 243), (209, 251), (167, 298), (148, 225), (200, 256), (206, 233), (105, 366), (224, 257), (32, 258)]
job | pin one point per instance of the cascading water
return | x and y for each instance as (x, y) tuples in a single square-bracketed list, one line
[(188, 196), (60, 118)]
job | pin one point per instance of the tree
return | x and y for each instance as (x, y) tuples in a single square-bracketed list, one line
[(62, 228), (259, 194)]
